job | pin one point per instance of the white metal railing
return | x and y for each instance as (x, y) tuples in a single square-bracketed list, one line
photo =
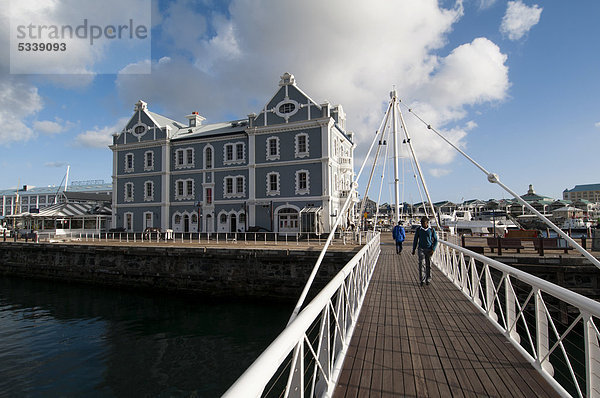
[(221, 238), (315, 342), (554, 328)]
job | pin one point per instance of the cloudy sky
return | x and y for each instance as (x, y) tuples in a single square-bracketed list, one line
[(514, 84)]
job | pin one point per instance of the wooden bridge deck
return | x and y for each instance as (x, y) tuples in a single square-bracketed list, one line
[(429, 341)]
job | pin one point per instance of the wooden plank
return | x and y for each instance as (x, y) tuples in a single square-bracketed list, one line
[(429, 341)]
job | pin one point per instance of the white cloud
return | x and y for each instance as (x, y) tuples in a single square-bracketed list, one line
[(597, 125), (338, 51), (519, 19), (437, 173), (485, 4), (80, 57), (49, 127), (100, 137), (55, 164), (18, 101)]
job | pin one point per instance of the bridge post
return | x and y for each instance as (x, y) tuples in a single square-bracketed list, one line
[(489, 294), (474, 282), (542, 335), (511, 311), (592, 357), (465, 276), (295, 386), (323, 374)]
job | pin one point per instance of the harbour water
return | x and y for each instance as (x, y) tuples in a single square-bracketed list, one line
[(59, 339)]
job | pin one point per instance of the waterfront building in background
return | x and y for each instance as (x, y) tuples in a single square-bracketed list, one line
[(287, 169), (30, 199), (588, 192)]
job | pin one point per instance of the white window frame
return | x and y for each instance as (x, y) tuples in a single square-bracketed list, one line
[(186, 194), (132, 198), (278, 190), (185, 164), (212, 157), (234, 159), (151, 219), (132, 168), (125, 216), (146, 197), (304, 191), (146, 167), (268, 153), (235, 193), (297, 153)]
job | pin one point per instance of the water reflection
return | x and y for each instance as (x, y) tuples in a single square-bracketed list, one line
[(68, 340)]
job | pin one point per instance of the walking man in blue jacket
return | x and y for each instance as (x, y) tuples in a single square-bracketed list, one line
[(399, 235), (426, 241)]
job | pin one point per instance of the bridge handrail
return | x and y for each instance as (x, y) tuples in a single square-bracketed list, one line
[(499, 298), (568, 296), (336, 325)]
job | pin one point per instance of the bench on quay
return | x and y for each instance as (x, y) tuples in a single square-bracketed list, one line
[(505, 243), (542, 244)]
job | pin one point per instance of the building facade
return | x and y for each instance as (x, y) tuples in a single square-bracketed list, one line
[(287, 169), (29, 199), (589, 192)]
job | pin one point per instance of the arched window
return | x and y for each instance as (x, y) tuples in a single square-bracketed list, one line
[(223, 218), (208, 157)]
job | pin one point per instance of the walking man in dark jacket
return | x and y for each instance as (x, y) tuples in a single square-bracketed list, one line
[(426, 241), (399, 235)]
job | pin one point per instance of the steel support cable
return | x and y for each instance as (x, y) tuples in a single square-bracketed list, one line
[(412, 151), (313, 273), (495, 179), (412, 165), (363, 202), (382, 180)]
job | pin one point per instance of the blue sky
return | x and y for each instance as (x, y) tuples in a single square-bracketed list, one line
[(514, 83)]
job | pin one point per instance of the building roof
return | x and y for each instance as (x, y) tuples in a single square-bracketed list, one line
[(585, 187), (69, 210), (233, 127), (165, 121), (53, 190)]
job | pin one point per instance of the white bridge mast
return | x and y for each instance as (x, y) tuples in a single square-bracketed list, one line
[(394, 98)]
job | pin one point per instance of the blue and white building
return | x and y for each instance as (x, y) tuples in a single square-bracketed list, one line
[(286, 169)]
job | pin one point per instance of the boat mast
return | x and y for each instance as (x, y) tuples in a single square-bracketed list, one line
[(394, 98)]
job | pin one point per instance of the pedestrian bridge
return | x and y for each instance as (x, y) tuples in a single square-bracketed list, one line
[(480, 329)]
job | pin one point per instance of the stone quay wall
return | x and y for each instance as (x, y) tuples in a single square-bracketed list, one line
[(217, 272)]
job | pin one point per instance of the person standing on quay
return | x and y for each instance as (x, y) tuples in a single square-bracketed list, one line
[(399, 235), (426, 240)]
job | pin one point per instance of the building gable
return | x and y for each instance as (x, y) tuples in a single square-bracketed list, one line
[(145, 126), (289, 104)]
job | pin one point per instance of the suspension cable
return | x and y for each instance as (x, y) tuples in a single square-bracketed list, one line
[(382, 180), (363, 202), (412, 151), (495, 179), (313, 273)]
